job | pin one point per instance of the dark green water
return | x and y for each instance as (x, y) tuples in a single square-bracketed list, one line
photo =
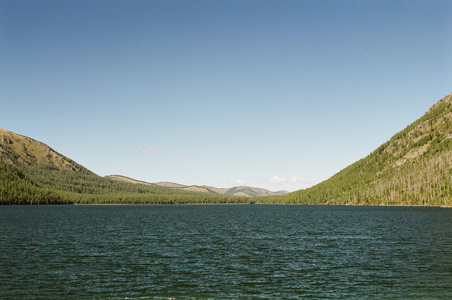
[(225, 252)]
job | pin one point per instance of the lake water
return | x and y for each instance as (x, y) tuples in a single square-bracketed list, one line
[(225, 252)]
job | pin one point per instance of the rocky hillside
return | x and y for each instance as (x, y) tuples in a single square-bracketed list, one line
[(413, 168), (244, 191)]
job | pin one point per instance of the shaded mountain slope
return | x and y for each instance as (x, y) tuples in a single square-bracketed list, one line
[(413, 168)]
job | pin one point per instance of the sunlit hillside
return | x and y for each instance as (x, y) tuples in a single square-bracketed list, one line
[(413, 168), (33, 173)]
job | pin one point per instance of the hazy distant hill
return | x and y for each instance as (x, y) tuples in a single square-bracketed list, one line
[(53, 170), (244, 191), (33, 173), (128, 179), (413, 168), (252, 192)]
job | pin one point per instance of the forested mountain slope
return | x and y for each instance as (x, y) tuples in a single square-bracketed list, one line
[(413, 168), (17, 188), (33, 173)]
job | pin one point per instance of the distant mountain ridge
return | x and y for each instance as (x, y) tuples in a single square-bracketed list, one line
[(413, 168), (33, 173), (244, 191)]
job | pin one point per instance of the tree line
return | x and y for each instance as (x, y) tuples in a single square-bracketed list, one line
[(45, 184)]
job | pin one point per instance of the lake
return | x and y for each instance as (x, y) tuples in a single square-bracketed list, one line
[(225, 252)]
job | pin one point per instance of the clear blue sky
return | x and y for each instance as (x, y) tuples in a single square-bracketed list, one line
[(273, 94)]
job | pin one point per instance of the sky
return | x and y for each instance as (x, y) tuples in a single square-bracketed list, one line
[(274, 94)]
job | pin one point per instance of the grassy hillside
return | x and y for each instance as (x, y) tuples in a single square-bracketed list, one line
[(24, 151), (45, 184), (33, 173), (413, 168)]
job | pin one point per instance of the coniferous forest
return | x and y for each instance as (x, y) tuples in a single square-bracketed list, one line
[(47, 185), (413, 168)]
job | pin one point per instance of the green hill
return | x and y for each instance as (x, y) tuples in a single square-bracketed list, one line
[(17, 188), (33, 173), (413, 168), (20, 150)]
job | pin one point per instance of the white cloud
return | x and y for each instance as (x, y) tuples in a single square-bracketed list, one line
[(239, 182), (286, 180), (299, 179), (150, 150), (277, 179)]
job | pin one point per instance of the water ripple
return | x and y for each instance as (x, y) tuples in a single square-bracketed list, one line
[(225, 252)]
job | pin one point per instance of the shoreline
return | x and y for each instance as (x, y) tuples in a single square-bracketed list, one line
[(288, 204)]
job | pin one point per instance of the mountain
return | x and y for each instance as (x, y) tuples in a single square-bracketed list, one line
[(33, 173), (17, 188), (248, 191), (413, 168), (20, 150), (244, 191), (128, 179), (169, 184), (43, 163)]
